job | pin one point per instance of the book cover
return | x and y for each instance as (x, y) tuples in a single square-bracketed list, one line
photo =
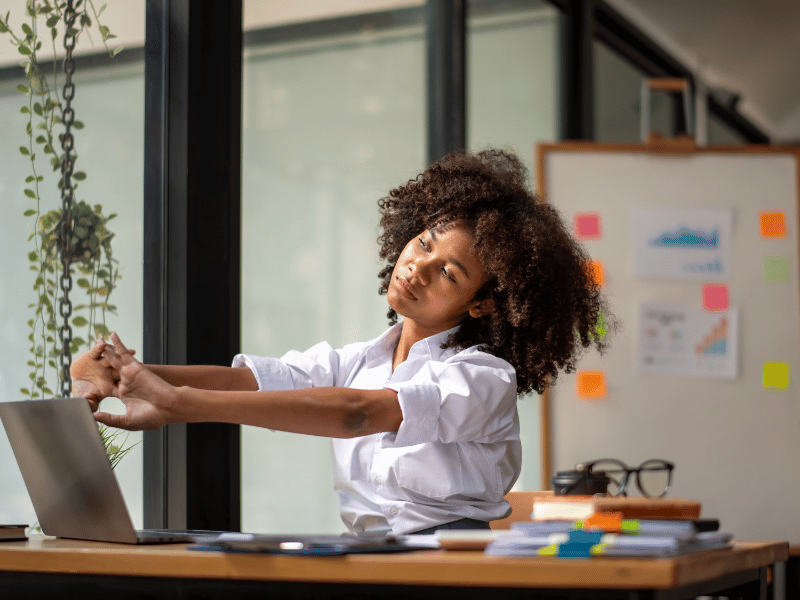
[(13, 532), (583, 507)]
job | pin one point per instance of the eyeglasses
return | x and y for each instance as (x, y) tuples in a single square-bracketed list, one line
[(653, 477)]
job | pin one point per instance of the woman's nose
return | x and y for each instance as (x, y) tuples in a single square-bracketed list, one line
[(420, 269)]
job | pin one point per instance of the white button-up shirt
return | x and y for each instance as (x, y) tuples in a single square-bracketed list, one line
[(457, 451)]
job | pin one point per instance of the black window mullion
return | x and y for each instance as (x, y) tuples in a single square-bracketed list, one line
[(576, 69), (193, 92), (446, 25)]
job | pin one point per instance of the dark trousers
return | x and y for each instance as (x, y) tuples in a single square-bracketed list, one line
[(460, 524)]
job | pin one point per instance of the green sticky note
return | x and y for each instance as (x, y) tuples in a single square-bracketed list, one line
[(776, 269), (776, 375), (601, 328)]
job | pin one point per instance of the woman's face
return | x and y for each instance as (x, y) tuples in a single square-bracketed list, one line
[(436, 278)]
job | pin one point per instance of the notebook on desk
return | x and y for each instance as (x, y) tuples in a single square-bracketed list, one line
[(68, 475)]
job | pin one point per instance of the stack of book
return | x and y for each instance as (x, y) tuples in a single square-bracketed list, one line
[(570, 526)]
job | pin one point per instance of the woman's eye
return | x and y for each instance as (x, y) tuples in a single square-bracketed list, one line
[(423, 244), (447, 274)]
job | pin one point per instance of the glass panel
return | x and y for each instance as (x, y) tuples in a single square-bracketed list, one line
[(617, 100), (110, 148), (512, 102), (719, 133), (330, 125)]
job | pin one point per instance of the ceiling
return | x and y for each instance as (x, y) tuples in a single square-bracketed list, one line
[(747, 47)]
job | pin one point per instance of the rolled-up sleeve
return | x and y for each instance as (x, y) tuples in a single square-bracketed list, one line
[(316, 367), (469, 397)]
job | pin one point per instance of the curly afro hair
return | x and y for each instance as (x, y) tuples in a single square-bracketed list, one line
[(546, 304)]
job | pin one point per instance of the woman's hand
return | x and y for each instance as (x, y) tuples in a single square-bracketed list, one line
[(148, 399), (92, 376)]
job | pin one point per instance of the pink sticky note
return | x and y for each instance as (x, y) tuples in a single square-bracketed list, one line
[(586, 226), (715, 296)]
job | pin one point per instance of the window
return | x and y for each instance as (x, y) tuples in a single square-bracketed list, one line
[(617, 100), (512, 102), (109, 100), (334, 116)]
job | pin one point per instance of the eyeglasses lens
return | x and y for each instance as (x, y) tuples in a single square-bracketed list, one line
[(616, 473), (654, 479)]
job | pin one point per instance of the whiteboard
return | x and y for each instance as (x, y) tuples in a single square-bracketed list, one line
[(735, 443)]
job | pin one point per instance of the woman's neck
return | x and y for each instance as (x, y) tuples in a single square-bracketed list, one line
[(410, 334)]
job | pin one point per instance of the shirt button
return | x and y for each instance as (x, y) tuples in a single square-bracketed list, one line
[(393, 510)]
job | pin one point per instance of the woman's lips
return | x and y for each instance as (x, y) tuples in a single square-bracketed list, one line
[(405, 288)]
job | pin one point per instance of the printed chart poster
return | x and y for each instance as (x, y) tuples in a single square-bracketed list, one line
[(677, 339), (677, 243)]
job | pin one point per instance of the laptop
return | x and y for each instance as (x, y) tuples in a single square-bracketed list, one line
[(68, 475)]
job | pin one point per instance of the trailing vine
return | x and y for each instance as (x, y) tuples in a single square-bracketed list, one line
[(89, 247)]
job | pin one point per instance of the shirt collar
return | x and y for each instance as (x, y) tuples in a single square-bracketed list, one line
[(430, 347)]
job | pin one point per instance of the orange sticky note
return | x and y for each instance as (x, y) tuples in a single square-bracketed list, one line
[(773, 224), (715, 296), (597, 273), (605, 521), (586, 226), (591, 384)]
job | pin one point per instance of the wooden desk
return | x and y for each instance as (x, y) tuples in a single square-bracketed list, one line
[(46, 567)]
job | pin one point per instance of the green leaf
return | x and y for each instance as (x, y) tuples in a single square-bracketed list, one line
[(117, 50), (24, 151), (27, 29), (25, 391), (29, 213), (80, 322), (24, 89), (37, 108), (71, 32), (24, 50), (84, 283), (29, 192), (25, 110), (40, 139), (29, 179), (78, 124), (79, 175), (52, 21)]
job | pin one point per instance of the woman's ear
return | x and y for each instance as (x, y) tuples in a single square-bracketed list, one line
[(482, 308)]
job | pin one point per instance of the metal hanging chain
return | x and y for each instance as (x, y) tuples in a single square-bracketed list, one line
[(67, 194)]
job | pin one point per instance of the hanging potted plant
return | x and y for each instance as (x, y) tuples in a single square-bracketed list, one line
[(71, 243)]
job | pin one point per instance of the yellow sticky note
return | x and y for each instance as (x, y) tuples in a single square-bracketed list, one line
[(776, 375), (591, 384), (773, 224)]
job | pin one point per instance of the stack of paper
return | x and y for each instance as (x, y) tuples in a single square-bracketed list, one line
[(604, 535)]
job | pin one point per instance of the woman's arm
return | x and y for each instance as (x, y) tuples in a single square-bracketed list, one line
[(207, 377), (329, 411), (152, 402)]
